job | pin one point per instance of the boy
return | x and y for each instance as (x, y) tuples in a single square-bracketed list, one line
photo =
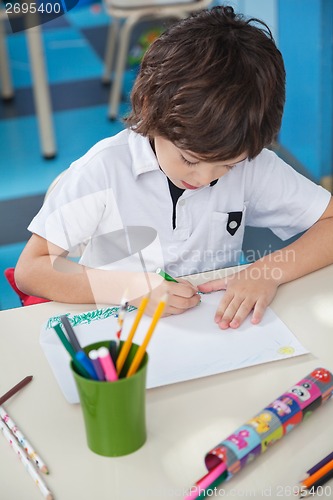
[(177, 188)]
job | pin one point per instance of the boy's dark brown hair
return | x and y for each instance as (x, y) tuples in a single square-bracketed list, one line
[(212, 84)]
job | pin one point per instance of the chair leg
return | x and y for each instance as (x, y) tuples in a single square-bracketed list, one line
[(41, 92), (7, 91), (116, 88), (110, 49)]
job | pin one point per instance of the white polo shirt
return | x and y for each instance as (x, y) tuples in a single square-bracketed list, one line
[(118, 184)]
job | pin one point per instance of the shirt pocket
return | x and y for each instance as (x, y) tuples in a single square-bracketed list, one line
[(226, 233)]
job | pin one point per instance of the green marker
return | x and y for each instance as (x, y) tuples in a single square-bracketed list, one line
[(164, 275), (167, 277), (69, 348)]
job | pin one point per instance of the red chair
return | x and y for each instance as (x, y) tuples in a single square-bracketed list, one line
[(26, 300)]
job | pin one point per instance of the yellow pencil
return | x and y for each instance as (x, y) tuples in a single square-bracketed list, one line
[(127, 344), (142, 349)]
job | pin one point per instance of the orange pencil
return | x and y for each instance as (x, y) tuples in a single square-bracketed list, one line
[(128, 342), (142, 349), (317, 475)]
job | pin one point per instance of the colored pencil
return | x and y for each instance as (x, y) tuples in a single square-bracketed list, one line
[(23, 441), (317, 475), (315, 486), (121, 316), (142, 349), (208, 491), (318, 466), (71, 334), (122, 355), (25, 461), (107, 364), (206, 481), (69, 348), (15, 389), (93, 356)]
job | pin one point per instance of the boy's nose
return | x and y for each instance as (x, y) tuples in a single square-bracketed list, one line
[(205, 178)]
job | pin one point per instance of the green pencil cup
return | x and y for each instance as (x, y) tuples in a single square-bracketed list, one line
[(114, 413)]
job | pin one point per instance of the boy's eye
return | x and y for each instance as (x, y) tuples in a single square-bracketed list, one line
[(187, 162)]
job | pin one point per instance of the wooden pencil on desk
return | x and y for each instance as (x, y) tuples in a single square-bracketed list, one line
[(142, 349), (318, 485), (214, 477), (310, 481), (15, 389), (318, 466), (23, 441), (28, 465)]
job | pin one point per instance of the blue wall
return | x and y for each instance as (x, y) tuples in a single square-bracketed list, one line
[(262, 9), (305, 40), (303, 31)]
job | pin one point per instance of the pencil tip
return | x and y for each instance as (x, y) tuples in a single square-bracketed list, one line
[(45, 470)]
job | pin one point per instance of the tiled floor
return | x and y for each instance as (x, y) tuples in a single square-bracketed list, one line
[(74, 46)]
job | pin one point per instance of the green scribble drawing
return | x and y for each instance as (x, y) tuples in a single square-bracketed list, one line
[(88, 317)]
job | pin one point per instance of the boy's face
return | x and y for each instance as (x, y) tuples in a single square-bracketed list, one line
[(185, 170)]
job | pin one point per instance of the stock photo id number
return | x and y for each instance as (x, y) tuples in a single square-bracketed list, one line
[(25, 14)]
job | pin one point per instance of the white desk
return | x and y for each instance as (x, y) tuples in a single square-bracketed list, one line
[(184, 420)]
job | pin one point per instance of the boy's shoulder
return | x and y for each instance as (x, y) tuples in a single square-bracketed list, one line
[(125, 148), (267, 164), (118, 141)]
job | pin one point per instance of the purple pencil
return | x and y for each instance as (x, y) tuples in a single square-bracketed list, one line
[(93, 356), (318, 466)]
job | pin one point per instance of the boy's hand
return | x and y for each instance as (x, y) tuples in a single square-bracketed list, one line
[(181, 296), (244, 293)]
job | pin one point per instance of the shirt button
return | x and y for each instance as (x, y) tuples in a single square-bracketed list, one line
[(233, 224)]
